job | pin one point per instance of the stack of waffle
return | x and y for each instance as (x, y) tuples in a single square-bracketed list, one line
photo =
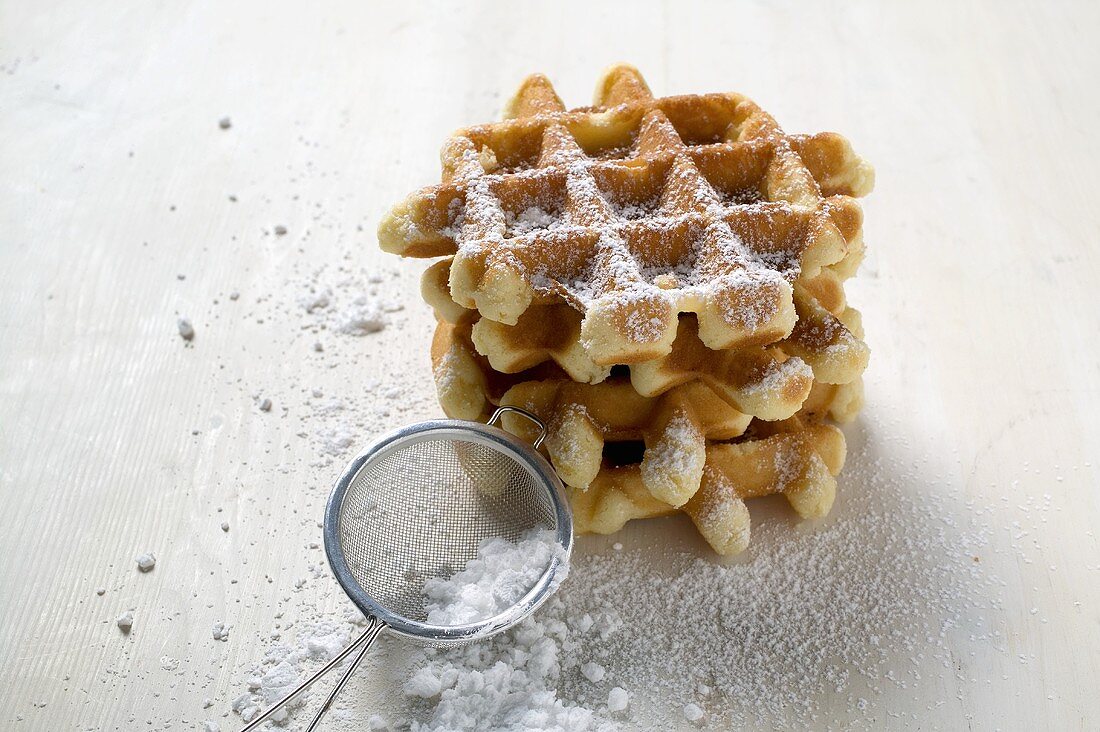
[(661, 281)]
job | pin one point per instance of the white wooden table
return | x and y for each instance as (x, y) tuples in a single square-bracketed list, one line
[(979, 298)]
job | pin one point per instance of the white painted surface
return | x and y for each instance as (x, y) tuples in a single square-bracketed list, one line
[(979, 299)]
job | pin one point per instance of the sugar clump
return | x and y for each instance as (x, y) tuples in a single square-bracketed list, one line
[(693, 712), (146, 561), (593, 671)]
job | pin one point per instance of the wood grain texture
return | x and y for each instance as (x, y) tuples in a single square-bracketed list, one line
[(979, 297)]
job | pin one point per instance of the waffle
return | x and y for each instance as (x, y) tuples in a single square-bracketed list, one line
[(582, 419), (839, 402), (760, 381), (633, 211), (792, 458)]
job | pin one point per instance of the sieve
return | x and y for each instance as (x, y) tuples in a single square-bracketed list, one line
[(416, 505)]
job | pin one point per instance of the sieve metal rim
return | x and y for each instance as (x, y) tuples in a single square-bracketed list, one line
[(476, 432)]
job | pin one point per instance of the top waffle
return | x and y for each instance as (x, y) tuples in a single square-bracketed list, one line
[(633, 211)]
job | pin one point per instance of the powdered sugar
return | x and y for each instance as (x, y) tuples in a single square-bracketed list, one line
[(693, 712), (883, 593), (284, 665), (363, 316), (351, 305), (618, 699), (780, 374), (336, 438), (510, 683), (496, 580), (593, 671), (531, 219)]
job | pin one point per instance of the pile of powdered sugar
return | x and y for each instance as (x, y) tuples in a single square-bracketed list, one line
[(520, 680), (509, 682), (496, 579)]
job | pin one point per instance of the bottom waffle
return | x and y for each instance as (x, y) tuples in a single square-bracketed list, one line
[(793, 458)]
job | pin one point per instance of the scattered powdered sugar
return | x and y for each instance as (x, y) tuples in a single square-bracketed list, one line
[(869, 597), (631, 210), (335, 439), (315, 299), (349, 306), (284, 666), (344, 316), (496, 579), (509, 683), (593, 671), (363, 316), (885, 592)]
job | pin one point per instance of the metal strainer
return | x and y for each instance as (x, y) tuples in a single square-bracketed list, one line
[(416, 505)]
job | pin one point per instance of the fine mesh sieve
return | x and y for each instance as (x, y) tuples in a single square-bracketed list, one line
[(416, 505)]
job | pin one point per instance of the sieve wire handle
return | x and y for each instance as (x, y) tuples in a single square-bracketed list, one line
[(363, 643), (523, 413)]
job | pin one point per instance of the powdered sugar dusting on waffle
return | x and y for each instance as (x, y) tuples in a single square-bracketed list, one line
[(779, 375), (532, 219), (670, 455), (615, 271), (622, 268)]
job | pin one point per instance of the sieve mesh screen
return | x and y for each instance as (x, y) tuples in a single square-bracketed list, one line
[(422, 509)]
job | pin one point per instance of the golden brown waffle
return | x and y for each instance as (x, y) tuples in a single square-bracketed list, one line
[(793, 458), (759, 381), (635, 210), (671, 430), (469, 387), (840, 402)]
